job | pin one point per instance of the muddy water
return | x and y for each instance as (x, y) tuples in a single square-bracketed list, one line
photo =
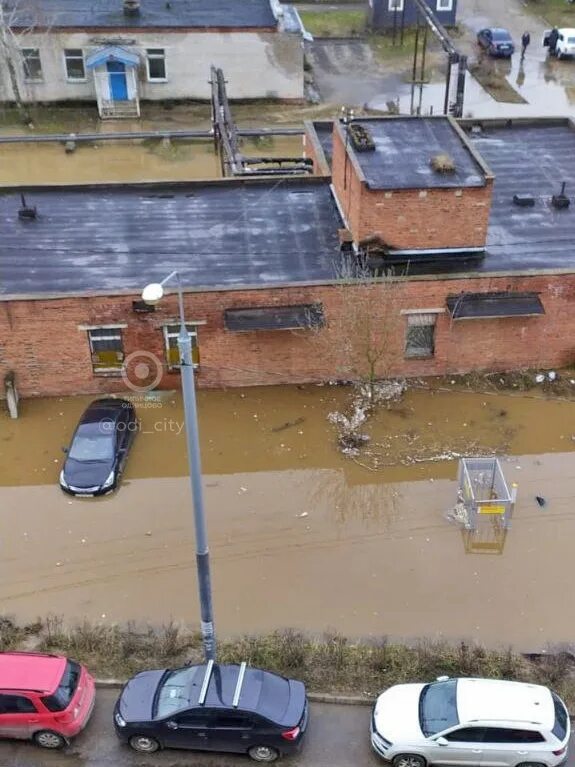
[(300, 535), (109, 161)]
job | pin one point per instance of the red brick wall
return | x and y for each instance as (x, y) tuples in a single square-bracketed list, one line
[(313, 151), (411, 218), (40, 340)]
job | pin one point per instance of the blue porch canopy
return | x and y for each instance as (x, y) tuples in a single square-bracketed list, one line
[(112, 53)]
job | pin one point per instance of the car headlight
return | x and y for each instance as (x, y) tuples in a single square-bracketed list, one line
[(120, 721), (62, 480), (110, 480)]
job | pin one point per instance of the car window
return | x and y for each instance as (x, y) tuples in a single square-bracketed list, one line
[(511, 735), (571, 40), (466, 735), (192, 719), (228, 720), (93, 442), (16, 704), (438, 707), (560, 726), (60, 699)]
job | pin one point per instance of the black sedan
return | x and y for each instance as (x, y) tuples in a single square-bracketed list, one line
[(213, 708), (97, 454), (497, 42)]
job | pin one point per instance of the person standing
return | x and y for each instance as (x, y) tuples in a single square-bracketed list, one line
[(525, 40)]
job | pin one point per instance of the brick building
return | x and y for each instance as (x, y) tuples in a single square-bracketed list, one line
[(261, 263)]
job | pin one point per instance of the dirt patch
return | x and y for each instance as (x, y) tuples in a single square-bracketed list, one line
[(495, 82), (555, 12), (548, 383)]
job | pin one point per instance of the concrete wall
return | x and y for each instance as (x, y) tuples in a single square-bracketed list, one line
[(383, 18), (408, 219), (40, 340), (264, 64)]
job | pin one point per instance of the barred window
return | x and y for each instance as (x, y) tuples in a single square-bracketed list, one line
[(107, 349), (171, 333), (420, 335)]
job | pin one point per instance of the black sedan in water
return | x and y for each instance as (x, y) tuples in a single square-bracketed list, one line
[(97, 454), (496, 41), (212, 707)]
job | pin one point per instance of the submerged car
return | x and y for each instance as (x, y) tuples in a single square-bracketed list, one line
[(99, 448), (496, 41), (470, 721), (212, 707), (44, 698)]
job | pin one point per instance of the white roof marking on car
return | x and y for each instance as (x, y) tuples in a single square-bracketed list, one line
[(493, 699)]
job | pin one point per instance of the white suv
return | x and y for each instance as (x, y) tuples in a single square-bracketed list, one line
[(469, 722)]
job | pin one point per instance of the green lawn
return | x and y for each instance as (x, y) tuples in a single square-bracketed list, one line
[(334, 23), (558, 13)]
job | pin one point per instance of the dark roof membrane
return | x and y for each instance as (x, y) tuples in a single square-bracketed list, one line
[(483, 306)]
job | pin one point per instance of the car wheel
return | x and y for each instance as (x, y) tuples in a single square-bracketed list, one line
[(408, 760), (143, 744), (263, 753), (49, 739)]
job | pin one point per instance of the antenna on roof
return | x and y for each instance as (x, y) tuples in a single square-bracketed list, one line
[(26, 212), (238, 690), (205, 683)]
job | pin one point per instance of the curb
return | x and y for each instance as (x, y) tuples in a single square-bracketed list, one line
[(313, 697)]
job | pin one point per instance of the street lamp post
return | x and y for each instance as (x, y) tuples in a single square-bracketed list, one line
[(151, 295)]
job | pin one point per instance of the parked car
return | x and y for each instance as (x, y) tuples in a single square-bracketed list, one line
[(45, 698), (496, 41), (470, 721), (561, 42), (99, 448), (213, 708)]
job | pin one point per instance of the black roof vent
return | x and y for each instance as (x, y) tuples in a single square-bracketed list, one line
[(561, 201), (131, 7), (524, 200), (26, 213)]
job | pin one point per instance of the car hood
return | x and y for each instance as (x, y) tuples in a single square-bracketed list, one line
[(86, 474), (137, 698), (396, 713)]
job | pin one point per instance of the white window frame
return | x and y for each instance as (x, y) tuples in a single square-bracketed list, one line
[(420, 319), (39, 79), (156, 56), (444, 5), (395, 5), (192, 328), (74, 79), (92, 333)]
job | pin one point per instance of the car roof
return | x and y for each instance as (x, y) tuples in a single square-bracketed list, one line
[(567, 30), (261, 691), (104, 407), (495, 699), (31, 671)]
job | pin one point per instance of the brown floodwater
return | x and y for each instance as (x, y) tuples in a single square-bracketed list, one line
[(109, 161), (300, 535)]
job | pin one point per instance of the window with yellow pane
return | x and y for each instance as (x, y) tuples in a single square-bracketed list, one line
[(107, 349), (171, 333)]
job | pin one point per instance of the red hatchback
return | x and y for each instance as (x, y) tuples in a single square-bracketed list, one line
[(45, 698)]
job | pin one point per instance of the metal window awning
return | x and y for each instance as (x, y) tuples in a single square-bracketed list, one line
[(112, 53), (296, 317), (486, 306)]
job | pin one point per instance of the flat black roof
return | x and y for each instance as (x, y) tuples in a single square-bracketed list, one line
[(225, 234), (529, 159), (108, 14), (404, 147)]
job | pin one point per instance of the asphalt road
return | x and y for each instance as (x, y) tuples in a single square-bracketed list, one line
[(338, 737)]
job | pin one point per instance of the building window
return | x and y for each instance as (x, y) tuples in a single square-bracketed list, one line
[(420, 335), (107, 349), (31, 64), (171, 333), (444, 5), (74, 58), (156, 61), (395, 5)]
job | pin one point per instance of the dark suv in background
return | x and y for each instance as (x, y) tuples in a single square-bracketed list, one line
[(213, 708)]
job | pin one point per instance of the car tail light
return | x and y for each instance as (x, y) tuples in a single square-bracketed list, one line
[(291, 734), (560, 752)]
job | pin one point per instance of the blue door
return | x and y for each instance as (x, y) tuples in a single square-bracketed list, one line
[(118, 85)]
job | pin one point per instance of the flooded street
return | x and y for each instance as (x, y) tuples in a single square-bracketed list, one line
[(128, 161), (300, 535)]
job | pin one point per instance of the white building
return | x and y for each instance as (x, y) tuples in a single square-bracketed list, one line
[(119, 52)]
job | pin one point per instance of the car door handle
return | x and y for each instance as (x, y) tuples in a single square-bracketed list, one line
[(172, 725), (33, 721), (477, 751), (202, 734), (523, 753)]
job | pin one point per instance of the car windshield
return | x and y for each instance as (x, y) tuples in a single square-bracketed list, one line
[(501, 36), (91, 443), (60, 699), (173, 693), (438, 707), (571, 40)]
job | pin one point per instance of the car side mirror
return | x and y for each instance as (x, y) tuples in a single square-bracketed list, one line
[(442, 741), (172, 725)]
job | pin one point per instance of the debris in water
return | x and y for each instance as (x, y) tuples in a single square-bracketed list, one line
[(552, 375), (288, 425), (540, 500), (539, 378), (304, 514)]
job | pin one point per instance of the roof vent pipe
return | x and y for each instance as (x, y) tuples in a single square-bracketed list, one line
[(131, 7)]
